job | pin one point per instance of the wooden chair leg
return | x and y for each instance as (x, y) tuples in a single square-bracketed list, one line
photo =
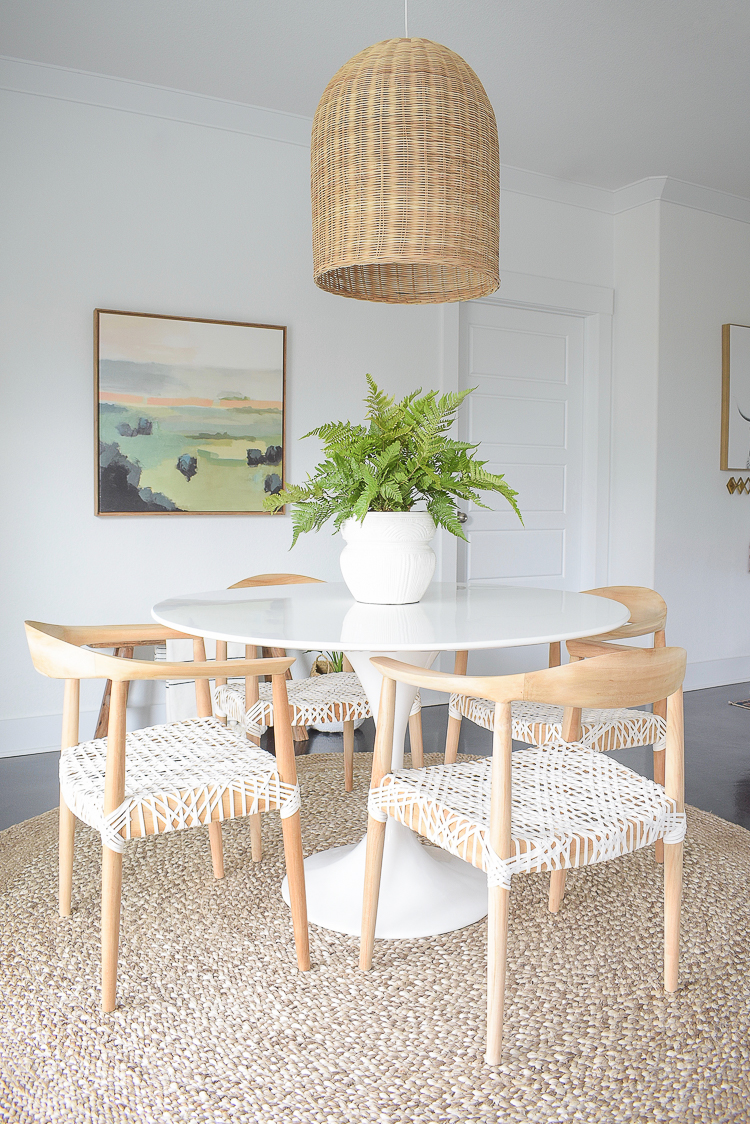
[(659, 771), (349, 756), (373, 865), (451, 740), (256, 838), (217, 848), (111, 895), (66, 844), (415, 738), (102, 722), (221, 656), (295, 872), (672, 903), (497, 951), (454, 724), (556, 889)]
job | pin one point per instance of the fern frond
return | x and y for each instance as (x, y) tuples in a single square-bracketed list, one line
[(401, 455)]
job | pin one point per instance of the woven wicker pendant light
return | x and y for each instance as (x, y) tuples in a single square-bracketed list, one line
[(405, 178)]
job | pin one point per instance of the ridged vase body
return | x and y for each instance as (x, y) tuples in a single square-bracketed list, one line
[(388, 559)]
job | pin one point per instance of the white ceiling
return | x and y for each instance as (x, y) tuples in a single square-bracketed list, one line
[(605, 92)]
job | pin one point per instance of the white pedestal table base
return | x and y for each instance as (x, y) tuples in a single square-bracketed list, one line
[(423, 890)]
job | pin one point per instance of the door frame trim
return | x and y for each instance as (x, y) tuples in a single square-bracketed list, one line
[(594, 304)]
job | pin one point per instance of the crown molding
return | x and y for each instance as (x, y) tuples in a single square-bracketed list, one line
[(126, 96), (666, 189), (540, 186)]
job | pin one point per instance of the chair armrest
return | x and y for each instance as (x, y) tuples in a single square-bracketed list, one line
[(118, 668), (478, 686)]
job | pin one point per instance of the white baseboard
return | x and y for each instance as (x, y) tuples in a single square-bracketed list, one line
[(717, 673)]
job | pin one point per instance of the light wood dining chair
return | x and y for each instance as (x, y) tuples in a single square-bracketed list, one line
[(538, 724), (546, 808), (163, 778), (317, 700)]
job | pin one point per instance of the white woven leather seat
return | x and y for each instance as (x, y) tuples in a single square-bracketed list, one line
[(571, 806), (176, 776), (540, 724), (317, 701)]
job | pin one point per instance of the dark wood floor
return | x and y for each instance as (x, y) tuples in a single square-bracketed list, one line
[(717, 757)]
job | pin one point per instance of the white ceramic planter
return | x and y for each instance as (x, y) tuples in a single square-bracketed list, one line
[(388, 559)]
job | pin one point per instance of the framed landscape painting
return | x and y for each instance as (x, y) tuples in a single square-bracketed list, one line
[(189, 414)]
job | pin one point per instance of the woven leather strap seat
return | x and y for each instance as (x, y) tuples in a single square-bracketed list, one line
[(317, 701), (541, 724), (571, 807), (176, 776)]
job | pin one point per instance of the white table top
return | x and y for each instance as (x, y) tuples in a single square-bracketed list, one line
[(325, 617)]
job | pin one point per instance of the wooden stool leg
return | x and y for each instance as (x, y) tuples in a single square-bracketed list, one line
[(659, 771), (295, 872), (217, 847), (349, 756), (373, 866), (672, 902), (67, 840), (415, 738), (111, 894), (256, 838), (451, 740), (497, 951), (556, 889)]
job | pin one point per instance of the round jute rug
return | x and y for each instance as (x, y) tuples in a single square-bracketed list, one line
[(215, 1024)]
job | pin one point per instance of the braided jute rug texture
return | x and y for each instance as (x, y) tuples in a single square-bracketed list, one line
[(215, 1024)]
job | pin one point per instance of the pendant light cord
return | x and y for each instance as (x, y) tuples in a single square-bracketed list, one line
[(406, 19)]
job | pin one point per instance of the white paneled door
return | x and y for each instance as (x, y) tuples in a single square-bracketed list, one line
[(527, 414)]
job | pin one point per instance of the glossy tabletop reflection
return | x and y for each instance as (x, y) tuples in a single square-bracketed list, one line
[(449, 617)]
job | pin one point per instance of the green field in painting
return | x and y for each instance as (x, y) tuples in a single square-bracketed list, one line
[(217, 438)]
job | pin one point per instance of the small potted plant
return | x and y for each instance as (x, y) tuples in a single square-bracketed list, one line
[(386, 484)]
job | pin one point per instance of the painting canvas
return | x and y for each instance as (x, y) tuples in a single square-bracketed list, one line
[(735, 398), (189, 414)]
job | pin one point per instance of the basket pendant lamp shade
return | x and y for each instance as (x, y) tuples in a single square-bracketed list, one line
[(405, 178)]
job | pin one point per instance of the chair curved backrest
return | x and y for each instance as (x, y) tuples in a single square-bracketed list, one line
[(60, 652), (648, 611), (620, 679), (274, 579), (251, 682)]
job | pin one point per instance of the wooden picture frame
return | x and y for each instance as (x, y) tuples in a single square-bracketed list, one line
[(735, 397), (189, 414)]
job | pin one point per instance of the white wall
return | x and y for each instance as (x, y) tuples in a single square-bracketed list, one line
[(130, 197), (123, 196), (554, 239), (124, 210), (702, 533), (681, 272), (634, 396)]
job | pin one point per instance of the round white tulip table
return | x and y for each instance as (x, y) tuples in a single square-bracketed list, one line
[(424, 890)]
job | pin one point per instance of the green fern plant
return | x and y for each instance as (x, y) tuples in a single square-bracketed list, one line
[(402, 456)]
